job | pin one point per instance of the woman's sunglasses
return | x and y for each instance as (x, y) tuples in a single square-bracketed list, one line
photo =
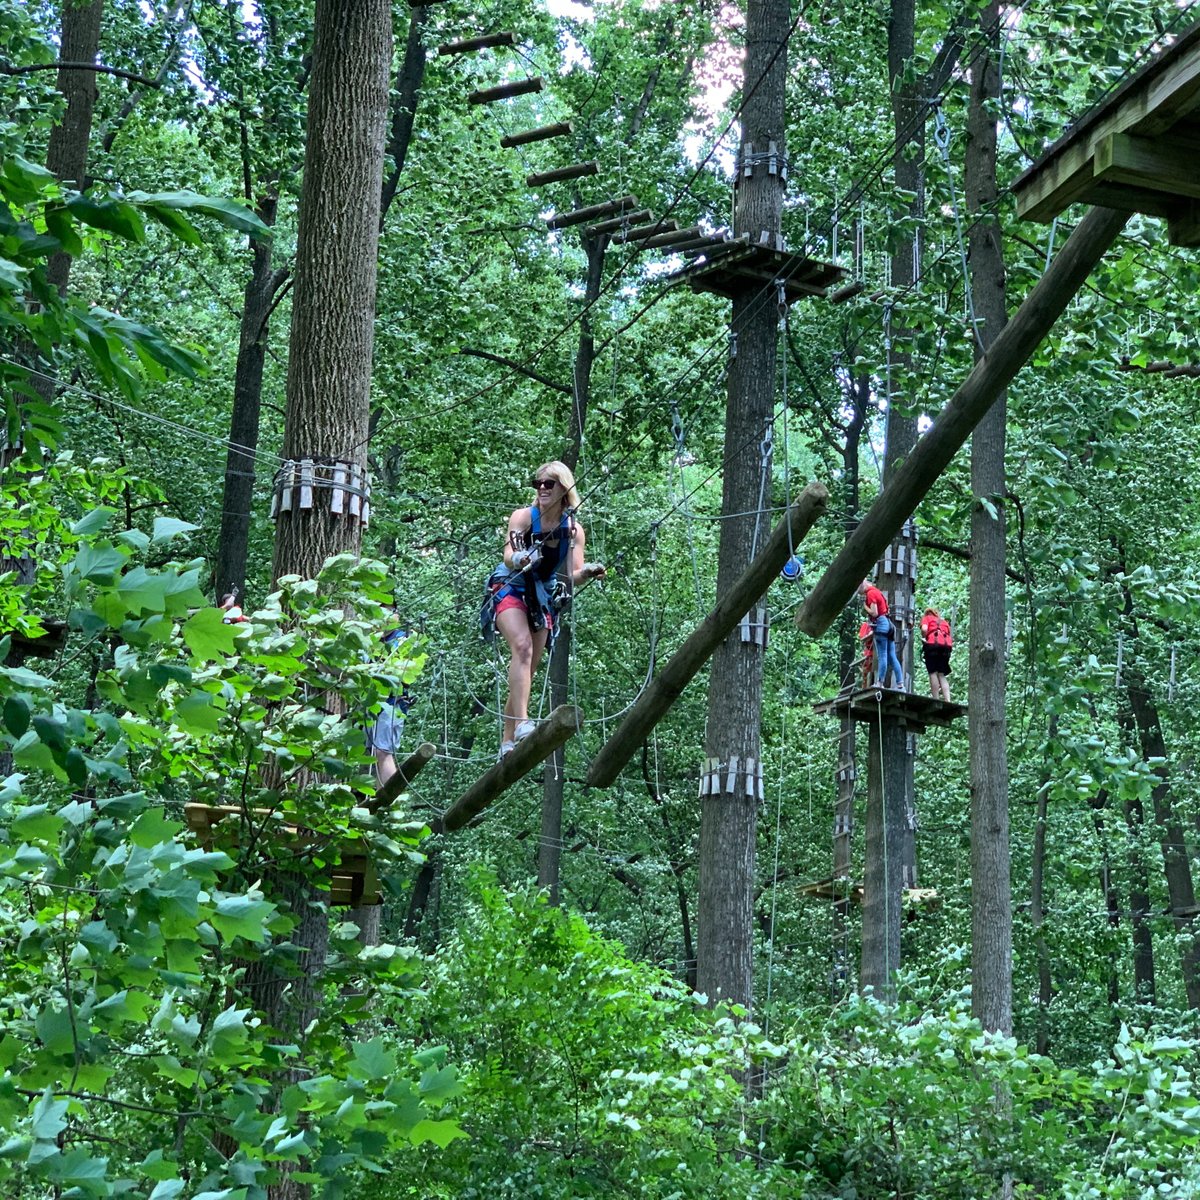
[(545, 485)]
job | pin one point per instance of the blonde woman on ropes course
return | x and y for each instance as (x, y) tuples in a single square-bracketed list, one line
[(519, 596)]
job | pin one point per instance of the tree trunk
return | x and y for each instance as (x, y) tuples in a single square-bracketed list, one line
[(991, 887), (404, 108), (550, 846), (1176, 863), (1145, 989), (893, 864), (1037, 909), (881, 876), (67, 150), (333, 300), (329, 368), (237, 507), (728, 821)]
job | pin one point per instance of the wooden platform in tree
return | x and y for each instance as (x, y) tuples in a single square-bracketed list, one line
[(1134, 152), (743, 268), (46, 645), (839, 889), (352, 879), (868, 704)]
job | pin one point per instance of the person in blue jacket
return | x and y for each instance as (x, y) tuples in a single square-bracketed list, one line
[(543, 538)]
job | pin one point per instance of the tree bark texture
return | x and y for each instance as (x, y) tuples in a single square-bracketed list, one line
[(1144, 979), (881, 877), (728, 821), (67, 150), (991, 885), (333, 299), (404, 107)]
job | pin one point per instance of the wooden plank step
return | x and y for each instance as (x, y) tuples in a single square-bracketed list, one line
[(580, 215), (558, 174), (541, 134), (484, 42), (615, 223), (654, 229), (505, 91)]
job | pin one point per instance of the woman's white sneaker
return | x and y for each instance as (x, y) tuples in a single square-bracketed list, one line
[(523, 730)]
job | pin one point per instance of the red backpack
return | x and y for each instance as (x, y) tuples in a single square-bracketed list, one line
[(941, 633)]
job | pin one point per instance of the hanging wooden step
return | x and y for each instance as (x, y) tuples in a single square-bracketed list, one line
[(848, 292), (654, 229), (580, 215), (615, 223), (541, 134), (665, 239), (522, 87), (748, 268), (485, 42), (914, 710), (700, 241), (574, 171)]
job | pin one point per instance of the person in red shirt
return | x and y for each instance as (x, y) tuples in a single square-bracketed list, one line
[(887, 662), (935, 648)]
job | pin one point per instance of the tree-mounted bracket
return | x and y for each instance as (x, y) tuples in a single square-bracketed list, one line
[(749, 161), (737, 777), (298, 479), (755, 626)]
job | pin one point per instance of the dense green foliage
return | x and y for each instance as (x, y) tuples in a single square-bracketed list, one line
[(509, 1048)]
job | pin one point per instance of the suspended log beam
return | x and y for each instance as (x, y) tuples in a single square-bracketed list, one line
[(683, 665), (522, 87), (646, 231), (574, 171), (529, 752), (665, 239), (405, 774), (615, 223), (580, 215), (541, 134), (848, 292), (485, 42), (965, 409)]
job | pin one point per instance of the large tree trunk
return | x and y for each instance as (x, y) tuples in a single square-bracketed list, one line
[(1144, 984), (891, 805), (728, 821), (550, 845), (329, 368), (991, 887), (333, 300)]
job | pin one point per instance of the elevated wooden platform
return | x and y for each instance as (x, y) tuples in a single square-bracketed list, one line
[(839, 889), (47, 645), (741, 268), (352, 879), (1134, 152), (869, 704)]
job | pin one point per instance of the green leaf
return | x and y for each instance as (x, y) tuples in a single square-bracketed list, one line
[(152, 829), (373, 1059), (207, 636), (233, 215), (16, 715), (441, 1133), (115, 216), (197, 713), (244, 917), (47, 1120), (166, 528), (167, 1189), (96, 520), (99, 564), (36, 823)]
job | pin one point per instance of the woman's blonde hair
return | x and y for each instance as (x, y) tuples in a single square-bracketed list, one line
[(561, 472)]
